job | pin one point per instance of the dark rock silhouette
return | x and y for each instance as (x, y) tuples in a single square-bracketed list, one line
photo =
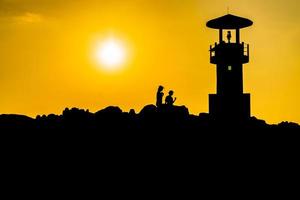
[(148, 110), (150, 118), (16, 122)]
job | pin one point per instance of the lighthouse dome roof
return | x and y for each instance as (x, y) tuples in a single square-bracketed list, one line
[(229, 22)]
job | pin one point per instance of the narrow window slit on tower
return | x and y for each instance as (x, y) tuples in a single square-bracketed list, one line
[(229, 68)]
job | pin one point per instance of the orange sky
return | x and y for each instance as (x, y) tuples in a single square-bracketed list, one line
[(47, 46)]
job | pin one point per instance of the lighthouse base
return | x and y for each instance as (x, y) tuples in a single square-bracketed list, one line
[(234, 108)]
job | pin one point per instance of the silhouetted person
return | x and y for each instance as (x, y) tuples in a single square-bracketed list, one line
[(229, 36), (159, 96), (169, 99)]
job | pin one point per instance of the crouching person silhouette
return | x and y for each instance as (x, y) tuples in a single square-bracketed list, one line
[(169, 99), (159, 96)]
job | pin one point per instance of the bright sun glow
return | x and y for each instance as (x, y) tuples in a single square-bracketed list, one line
[(111, 55)]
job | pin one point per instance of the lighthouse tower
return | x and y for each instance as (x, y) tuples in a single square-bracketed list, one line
[(229, 55)]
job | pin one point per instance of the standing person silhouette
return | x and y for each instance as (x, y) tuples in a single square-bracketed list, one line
[(169, 99), (159, 96), (229, 36)]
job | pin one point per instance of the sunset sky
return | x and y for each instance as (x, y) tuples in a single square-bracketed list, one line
[(48, 48)]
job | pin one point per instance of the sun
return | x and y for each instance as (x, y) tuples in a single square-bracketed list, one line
[(111, 54)]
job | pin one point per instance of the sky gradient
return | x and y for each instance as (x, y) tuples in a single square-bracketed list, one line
[(47, 48)]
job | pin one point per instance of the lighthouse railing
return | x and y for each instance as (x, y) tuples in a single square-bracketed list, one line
[(246, 52), (229, 51), (246, 49)]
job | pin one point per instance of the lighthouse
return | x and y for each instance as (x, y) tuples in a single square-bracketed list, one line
[(229, 54)]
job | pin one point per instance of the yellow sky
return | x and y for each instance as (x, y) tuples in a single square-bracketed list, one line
[(47, 46)]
